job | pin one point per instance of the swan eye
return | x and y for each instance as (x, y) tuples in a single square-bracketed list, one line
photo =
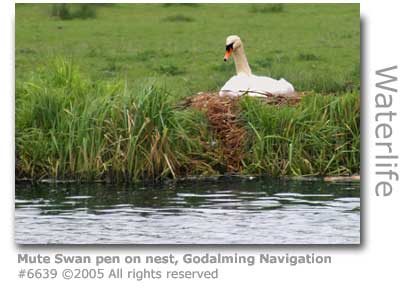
[(229, 47)]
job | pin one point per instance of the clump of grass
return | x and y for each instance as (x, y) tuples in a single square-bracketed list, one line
[(267, 8), (170, 69), (308, 57), (66, 11), (180, 4), (146, 55), (27, 51), (70, 127), (318, 137), (178, 18)]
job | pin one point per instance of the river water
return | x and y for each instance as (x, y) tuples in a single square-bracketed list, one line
[(221, 211)]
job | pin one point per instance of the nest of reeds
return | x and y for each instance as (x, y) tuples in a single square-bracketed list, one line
[(223, 116)]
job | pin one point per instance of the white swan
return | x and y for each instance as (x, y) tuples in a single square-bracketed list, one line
[(245, 82)]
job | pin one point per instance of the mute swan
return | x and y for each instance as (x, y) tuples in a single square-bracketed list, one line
[(245, 82)]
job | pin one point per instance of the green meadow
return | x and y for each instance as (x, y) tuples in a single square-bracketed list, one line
[(98, 90)]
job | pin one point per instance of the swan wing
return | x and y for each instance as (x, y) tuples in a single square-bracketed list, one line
[(255, 86), (236, 86), (270, 85)]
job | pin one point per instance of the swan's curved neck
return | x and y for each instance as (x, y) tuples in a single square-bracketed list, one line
[(240, 60)]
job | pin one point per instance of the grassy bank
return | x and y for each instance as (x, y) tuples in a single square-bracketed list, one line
[(68, 127), (106, 107)]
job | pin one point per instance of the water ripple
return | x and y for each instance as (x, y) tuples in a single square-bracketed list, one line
[(256, 211)]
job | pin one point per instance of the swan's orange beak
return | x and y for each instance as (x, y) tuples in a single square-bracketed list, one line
[(228, 54)]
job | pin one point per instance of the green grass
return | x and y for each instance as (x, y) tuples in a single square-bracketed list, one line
[(130, 42), (105, 106), (318, 137), (70, 127)]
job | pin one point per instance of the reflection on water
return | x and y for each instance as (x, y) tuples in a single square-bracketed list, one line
[(224, 211)]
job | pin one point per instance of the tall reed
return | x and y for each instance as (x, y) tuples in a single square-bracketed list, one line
[(320, 136), (69, 127)]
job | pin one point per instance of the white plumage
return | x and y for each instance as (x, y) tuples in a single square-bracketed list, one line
[(255, 86), (245, 82)]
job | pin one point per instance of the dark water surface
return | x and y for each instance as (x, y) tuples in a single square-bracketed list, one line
[(223, 211)]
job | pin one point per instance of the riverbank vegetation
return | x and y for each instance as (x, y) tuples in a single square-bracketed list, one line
[(69, 127), (100, 98)]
